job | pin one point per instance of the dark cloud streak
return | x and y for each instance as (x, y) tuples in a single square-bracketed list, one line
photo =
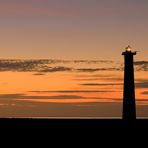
[(145, 93), (101, 84), (142, 84), (73, 91), (24, 96), (141, 65), (43, 66), (97, 69)]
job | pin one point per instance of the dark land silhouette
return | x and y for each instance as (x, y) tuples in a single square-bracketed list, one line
[(73, 125)]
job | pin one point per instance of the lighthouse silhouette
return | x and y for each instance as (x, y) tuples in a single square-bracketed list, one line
[(129, 104)]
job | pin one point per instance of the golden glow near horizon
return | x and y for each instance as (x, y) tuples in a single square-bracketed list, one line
[(73, 89)]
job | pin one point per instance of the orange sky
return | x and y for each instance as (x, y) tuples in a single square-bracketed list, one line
[(68, 30), (22, 90)]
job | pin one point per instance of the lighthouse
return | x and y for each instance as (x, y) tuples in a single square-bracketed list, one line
[(129, 104)]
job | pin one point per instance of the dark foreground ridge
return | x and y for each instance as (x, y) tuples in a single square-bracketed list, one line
[(73, 124), (72, 130)]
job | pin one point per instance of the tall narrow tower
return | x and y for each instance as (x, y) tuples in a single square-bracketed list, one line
[(129, 104)]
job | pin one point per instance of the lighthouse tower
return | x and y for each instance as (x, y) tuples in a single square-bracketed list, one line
[(129, 104)]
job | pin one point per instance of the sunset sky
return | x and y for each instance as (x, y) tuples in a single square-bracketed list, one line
[(79, 28), (62, 58)]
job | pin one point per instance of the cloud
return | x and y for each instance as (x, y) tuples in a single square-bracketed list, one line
[(72, 91), (100, 84), (145, 100), (41, 66), (140, 62), (11, 96), (39, 74), (92, 61), (56, 69), (24, 96), (31, 66), (137, 100), (20, 65), (145, 93), (142, 84), (99, 78), (141, 65), (92, 76), (44, 65), (95, 77), (97, 69)]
